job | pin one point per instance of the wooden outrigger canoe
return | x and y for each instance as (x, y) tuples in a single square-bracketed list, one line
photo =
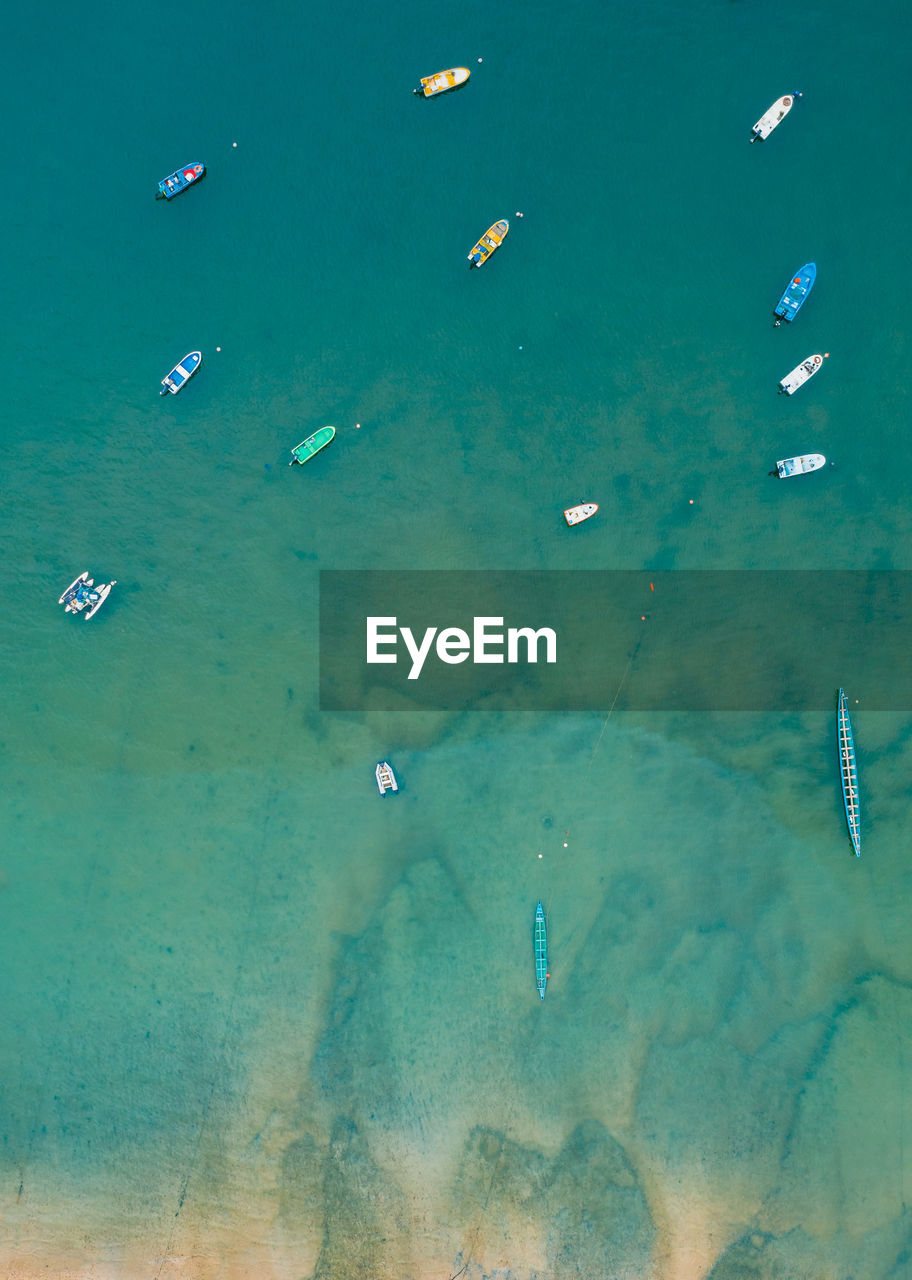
[(848, 771), (541, 951), (442, 82), (492, 239), (774, 117), (313, 444)]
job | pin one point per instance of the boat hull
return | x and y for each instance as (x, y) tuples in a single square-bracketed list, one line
[(304, 451), (771, 119), (179, 181), (541, 950), (801, 374), (796, 293), (492, 239), (83, 577), (103, 592), (442, 82), (583, 511), (181, 374), (848, 772), (800, 466)]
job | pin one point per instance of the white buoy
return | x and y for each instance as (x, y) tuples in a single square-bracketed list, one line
[(234, 144), (218, 348), (481, 59)]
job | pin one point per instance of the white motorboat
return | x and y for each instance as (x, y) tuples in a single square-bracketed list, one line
[(801, 373), (799, 466), (771, 119), (575, 515)]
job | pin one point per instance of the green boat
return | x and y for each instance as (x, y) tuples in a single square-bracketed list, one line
[(313, 444), (541, 951)]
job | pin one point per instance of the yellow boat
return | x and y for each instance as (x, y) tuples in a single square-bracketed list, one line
[(492, 239), (442, 82)]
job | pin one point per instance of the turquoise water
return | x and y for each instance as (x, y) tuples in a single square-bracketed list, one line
[(257, 1022)]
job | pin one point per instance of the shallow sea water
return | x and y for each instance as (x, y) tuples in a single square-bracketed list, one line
[(257, 1022)]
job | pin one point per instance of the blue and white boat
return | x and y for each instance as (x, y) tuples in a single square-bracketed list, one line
[(800, 285), (541, 951), (849, 773), (86, 596), (182, 372), (179, 181)]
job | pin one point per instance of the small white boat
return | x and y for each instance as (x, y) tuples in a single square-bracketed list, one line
[(574, 515), (798, 466), (774, 117), (182, 372), (800, 374), (386, 779), (83, 596)]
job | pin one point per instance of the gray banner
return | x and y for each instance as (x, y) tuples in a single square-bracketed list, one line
[(672, 641)]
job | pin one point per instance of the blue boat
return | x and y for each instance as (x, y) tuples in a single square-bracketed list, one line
[(848, 771), (541, 951), (182, 372), (179, 181), (800, 285)]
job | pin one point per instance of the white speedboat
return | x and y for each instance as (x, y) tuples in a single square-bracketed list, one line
[(800, 374), (771, 119), (84, 596), (386, 779), (798, 466), (575, 515)]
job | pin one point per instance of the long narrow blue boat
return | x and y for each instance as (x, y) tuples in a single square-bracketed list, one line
[(849, 773), (179, 181), (795, 296), (541, 951)]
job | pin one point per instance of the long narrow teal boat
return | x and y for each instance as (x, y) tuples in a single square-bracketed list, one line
[(849, 773), (541, 951), (313, 444)]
